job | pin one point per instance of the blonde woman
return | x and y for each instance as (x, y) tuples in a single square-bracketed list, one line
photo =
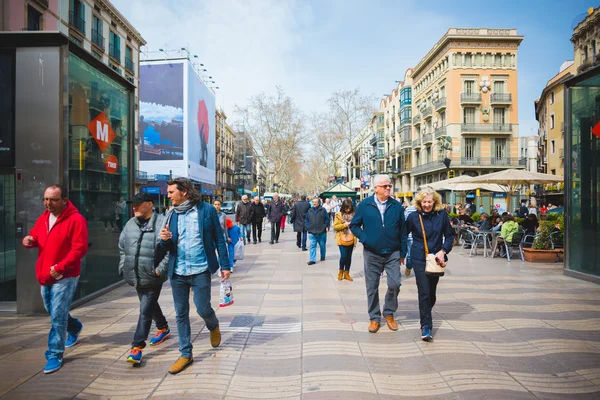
[(343, 236), (440, 236)]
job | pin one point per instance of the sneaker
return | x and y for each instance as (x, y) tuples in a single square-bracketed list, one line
[(53, 365), (135, 355), (161, 336), (426, 334), (73, 339), (407, 272)]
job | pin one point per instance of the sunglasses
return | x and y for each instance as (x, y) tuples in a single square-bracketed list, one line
[(385, 186)]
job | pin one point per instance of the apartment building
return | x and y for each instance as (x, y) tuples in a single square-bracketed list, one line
[(73, 64), (586, 41), (465, 99), (225, 157), (550, 113)]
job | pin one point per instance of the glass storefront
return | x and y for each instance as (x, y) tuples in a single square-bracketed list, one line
[(99, 130), (582, 172)]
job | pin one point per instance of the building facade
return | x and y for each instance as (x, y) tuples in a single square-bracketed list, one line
[(245, 164), (586, 41), (72, 64)]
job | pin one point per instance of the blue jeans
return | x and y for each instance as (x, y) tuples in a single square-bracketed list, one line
[(315, 238), (345, 257), (246, 231), (57, 299), (426, 287), (409, 243), (200, 285)]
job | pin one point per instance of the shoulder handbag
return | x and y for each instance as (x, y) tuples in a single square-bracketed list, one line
[(431, 264), (346, 237)]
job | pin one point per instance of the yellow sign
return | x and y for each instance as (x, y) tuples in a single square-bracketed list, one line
[(478, 193)]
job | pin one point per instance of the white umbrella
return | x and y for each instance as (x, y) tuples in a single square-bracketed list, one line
[(514, 177), (462, 184)]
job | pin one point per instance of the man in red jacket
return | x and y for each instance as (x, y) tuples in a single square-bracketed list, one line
[(61, 236)]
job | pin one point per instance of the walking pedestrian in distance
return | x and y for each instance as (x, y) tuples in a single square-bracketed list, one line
[(192, 235), (274, 214), (61, 236), (222, 218), (409, 209), (286, 208), (299, 221), (243, 216), (439, 233), (258, 215), (143, 264), (345, 240), (335, 207), (327, 207), (379, 225), (317, 222)]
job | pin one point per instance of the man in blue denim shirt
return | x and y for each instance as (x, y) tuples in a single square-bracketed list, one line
[(192, 235)]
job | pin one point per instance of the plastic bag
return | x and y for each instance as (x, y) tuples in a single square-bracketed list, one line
[(226, 294), (239, 251)]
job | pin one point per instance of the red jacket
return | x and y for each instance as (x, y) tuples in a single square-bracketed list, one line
[(64, 246)]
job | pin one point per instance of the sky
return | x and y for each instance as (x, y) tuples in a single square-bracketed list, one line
[(312, 48)]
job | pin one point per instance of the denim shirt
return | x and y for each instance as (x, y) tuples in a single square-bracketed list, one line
[(191, 257)]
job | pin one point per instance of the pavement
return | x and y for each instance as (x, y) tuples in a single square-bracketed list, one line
[(502, 331)]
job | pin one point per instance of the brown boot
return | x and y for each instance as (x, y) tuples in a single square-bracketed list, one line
[(347, 276), (215, 337), (340, 275), (391, 322), (373, 326), (180, 365)]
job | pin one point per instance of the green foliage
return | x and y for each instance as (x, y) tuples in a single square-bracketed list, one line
[(543, 241), (552, 216), (518, 220), (453, 215), (476, 217)]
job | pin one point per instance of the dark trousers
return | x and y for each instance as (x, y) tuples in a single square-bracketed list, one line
[(301, 239), (149, 311), (257, 230), (426, 286), (345, 257), (200, 285), (275, 230), (375, 264)]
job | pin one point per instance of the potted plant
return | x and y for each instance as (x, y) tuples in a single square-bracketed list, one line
[(542, 251)]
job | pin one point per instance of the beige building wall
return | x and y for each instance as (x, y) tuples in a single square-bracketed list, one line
[(586, 41)]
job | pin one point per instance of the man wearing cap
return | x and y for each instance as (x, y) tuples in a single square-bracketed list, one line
[(143, 264)]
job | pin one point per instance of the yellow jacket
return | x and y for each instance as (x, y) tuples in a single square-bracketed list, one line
[(339, 226)]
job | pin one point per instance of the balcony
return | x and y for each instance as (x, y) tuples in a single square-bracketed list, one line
[(77, 22), (406, 143), (416, 119), (488, 161), (439, 132), (416, 144), (129, 65), (373, 140), (428, 138), (523, 161), (440, 103), (500, 98), (486, 128), (98, 39), (427, 112), (405, 121), (427, 167), (470, 98), (380, 154), (114, 52)]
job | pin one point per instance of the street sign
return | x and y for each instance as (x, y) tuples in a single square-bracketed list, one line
[(596, 129), (111, 164), (151, 189), (101, 131)]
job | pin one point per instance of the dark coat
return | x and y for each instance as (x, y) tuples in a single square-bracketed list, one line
[(378, 237), (243, 213), (258, 212), (141, 257), (317, 220), (437, 226), (276, 211), (299, 215), (212, 238), (485, 225)]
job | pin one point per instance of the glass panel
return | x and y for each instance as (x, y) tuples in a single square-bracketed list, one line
[(583, 216), (8, 270), (99, 131)]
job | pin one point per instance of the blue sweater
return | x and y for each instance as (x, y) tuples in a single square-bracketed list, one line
[(377, 236)]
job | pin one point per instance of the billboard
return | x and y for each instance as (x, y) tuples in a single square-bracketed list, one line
[(162, 118), (177, 121), (200, 124)]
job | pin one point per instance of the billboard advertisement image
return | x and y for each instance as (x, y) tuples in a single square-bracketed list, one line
[(200, 124), (161, 112)]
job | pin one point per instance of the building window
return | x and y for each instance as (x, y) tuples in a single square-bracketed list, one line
[(469, 87), (115, 46), (428, 154), (470, 146), (500, 148), (499, 116), (77, 15), (442, 92), (551, 97), (405, 115), (418, 157), (551, 121), (97, 37), (128, 59), (499, 87), (553, 171), (552, 144), (469, 115), (34, 19), (593, 48), (405, 96), (442, 120)]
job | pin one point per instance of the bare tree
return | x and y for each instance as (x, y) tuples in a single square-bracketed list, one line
[(276, 126), (329, 141), (349, 112)]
